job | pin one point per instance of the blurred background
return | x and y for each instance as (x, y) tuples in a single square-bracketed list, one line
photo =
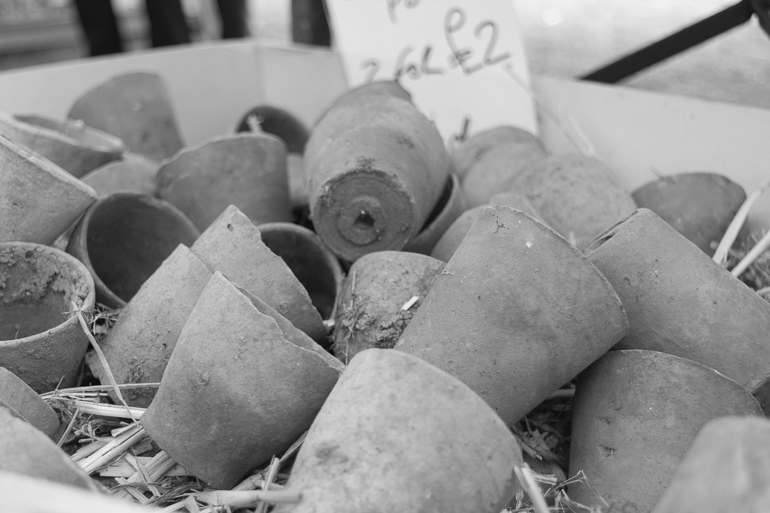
[(564, 38)]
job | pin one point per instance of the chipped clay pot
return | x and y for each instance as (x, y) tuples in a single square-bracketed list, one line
[(370, 309), (278, 122), (27, 403), (394, 434), (123, 238), (635, 415), (516, 313), (38, 200), (40, 342), (241, 386), (448, 208), (134, 173), (135, 107), (375, 167), (473, 149)]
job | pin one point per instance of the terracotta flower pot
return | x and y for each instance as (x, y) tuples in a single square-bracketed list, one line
[(700, 206), (279, 122), (245, 170), (516, 313), (448, 208), (234, 246), (123, 238), (370, 310), (20, 397), (473, 149), (635, 415), (297, 191), (38, 200), (394, 435), (139, 345), (237, 389), (40, 342), (69, 144), (135, 107), (375, 167), (134, 173), (681, 302)]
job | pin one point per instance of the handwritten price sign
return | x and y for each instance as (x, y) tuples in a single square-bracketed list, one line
[(454, 56)]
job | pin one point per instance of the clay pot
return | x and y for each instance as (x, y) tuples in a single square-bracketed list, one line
[(20, 397), (370, 310), (374, 167), (234, 246), (139, 345), (498, 167), (394, 434), (134, 173), (297, 192), (40, 341), (278, 122), (700, 206), (681, 302), (245, 170), (478, 145), (71, 145), (38, 200), (123, 238), (635, 415), (237, 389), (516, 313), (135, 107), (577, 196), (448, 208), (727, 468)]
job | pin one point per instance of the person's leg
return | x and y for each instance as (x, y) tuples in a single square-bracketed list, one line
[(308, 22), (234, 17), (100, 26), (168, 25)]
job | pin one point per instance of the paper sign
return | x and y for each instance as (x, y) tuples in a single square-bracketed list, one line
[(455, 57)]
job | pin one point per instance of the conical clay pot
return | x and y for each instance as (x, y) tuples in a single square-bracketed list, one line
[(41, 341), (700, 206), (727, 468), (134, 173), (236, 390), (370, 310), (516, 313), (449, 207), (234, 246), (394, 435), (20, 397), (135, 107), (139, 345), (245, 170), (278, 122), (681, 302), (472, 150), (635, 415), (375, 167), (123, 238), (38, 200)]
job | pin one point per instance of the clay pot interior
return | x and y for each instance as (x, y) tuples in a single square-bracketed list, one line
[(276, 121)]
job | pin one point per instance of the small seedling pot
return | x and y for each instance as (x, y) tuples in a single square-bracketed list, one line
[(635, 415), (681, 302), (137, 348), (448, 208), (700, 206), (377, 302), (473, 149), (394, 435), (278, 122), (41, 340), (137, 108), (38, 200), (26, 402), (237, 389), (134, 173), (245, 170), (123, 238), (234, 246), (516, 313), (375, 167), (727, 468)]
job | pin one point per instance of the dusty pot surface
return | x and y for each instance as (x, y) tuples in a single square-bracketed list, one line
[(38, 200), (234, 246), (237, 389), (134, 173), (634, 417), (370, 310), (727, 468), (374, 167), (392, 437), (473, 149), (245, 170), (26, 402), (450, 205), (516, 313), (40, 341), (700, 206), (139, 345), (135, 107), (681, 302), (123, 238), (279, 122)]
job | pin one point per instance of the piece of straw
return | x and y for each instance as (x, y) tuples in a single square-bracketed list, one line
[(759, 248), (728, 239), (112, 450), (246, 499), (524, 475), (105, 410)]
